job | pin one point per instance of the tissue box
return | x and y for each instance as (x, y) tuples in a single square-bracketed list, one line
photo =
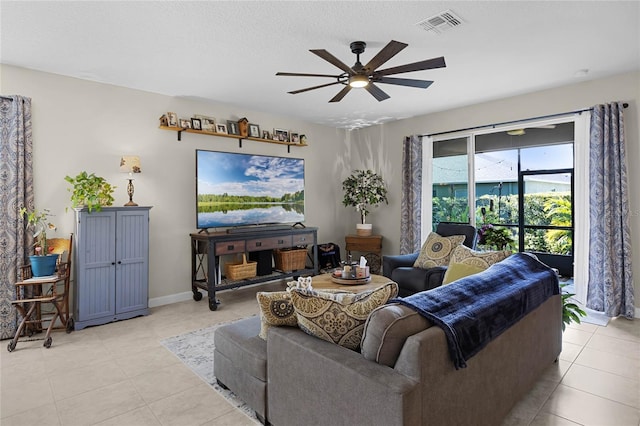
[(362, 272)]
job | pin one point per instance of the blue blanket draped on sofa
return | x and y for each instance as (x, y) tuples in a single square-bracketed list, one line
[(476, 309)]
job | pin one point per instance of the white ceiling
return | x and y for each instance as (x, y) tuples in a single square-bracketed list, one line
[(229, 52)]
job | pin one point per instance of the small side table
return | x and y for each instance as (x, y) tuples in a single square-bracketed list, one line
[(370, 246)]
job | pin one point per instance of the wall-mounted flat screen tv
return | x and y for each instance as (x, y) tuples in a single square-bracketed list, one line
[(234, 189)]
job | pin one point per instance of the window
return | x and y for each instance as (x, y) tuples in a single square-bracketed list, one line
[(521, 179), (450, 182)]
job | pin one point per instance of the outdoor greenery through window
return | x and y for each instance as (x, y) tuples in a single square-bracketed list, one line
[(522, 181)]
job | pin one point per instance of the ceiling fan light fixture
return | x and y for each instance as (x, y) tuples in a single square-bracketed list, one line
[(358, 81)]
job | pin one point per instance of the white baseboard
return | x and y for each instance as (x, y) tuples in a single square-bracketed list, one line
[(172, 298)]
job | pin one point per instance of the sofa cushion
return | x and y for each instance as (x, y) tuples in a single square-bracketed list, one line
[(386, 330), (455, 271), (465, 262), (239, 342), (436, 250), (276, 309), (338, 317)]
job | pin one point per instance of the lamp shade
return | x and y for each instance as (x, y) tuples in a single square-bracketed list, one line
[(130, 164)]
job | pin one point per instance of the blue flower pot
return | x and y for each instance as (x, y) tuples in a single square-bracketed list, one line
[(42, 266)]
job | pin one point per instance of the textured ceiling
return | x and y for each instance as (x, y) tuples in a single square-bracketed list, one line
[(229, 52)]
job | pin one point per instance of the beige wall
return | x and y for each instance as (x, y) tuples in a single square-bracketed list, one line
[(386, 140), (81, 125)]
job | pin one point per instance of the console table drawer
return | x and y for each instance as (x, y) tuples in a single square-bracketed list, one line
[(269, 243), (230, 247), (303, 239)]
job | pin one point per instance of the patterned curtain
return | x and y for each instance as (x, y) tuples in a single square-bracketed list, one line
[(411, 207), (610, 288), (16, 190)]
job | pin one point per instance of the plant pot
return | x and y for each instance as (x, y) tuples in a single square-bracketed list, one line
[(364, 229), (42, 266)]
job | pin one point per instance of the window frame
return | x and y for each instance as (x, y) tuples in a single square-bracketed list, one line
[(581, 122)]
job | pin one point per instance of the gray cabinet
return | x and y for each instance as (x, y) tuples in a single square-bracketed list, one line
[(111, 265)]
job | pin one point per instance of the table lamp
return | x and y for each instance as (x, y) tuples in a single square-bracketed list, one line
[(130, 164)]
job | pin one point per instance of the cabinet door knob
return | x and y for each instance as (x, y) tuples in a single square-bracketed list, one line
[(113, 263), (119, 262)]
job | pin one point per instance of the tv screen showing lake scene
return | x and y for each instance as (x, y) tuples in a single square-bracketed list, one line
[(242, 189)]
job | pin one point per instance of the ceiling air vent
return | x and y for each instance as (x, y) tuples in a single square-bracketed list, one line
[(440, 22)]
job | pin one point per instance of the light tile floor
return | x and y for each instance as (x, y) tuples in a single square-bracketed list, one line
[(119, 374)]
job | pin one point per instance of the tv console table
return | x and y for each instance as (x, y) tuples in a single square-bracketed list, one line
[(206, 249)]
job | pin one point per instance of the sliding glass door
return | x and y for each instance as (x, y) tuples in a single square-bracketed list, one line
[(518, 179)]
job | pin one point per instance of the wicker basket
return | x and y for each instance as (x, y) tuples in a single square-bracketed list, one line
[(240, 270), (288, 260)]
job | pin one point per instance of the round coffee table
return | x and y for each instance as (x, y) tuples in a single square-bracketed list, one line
[(324, 282)]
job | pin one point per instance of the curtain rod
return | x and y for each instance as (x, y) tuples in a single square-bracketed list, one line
[(580, 111), (7, 98)]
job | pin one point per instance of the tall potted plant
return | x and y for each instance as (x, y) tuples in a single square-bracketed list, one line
[(364, 189), (90, 191), (42, 262), (570, 311)]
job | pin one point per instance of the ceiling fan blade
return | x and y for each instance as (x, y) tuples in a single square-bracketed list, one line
[(416, 66), (333, 60), (341, 94), (388, 52), (422, 84), (298, 74), (376, 92), (314, 87)]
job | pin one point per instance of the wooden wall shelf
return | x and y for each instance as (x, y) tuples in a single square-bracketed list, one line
[(179, 130)]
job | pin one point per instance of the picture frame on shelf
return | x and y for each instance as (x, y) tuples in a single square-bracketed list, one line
[(196, 124), (254, 130), (232, 127), (185, 123), (221, 128), (265, 134), (208, 123), (295, 138), (303, 139), (283, 135), (172, 119)]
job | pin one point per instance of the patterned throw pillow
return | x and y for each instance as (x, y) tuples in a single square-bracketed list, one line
[(437, 250), (465, 262), (338, 317), (276, 309)]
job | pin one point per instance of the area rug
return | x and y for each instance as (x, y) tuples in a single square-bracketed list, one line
[(195, 350)]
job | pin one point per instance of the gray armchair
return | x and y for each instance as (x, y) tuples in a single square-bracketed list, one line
[(399, 268)]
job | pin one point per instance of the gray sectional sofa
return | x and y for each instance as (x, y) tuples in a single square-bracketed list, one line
[(404, 374)]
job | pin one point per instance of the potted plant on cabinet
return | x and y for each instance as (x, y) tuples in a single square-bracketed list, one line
[(90, 191), (364, 189), (42, 262)]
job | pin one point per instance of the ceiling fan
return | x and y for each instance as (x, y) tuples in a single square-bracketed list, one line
[(365, 76)]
